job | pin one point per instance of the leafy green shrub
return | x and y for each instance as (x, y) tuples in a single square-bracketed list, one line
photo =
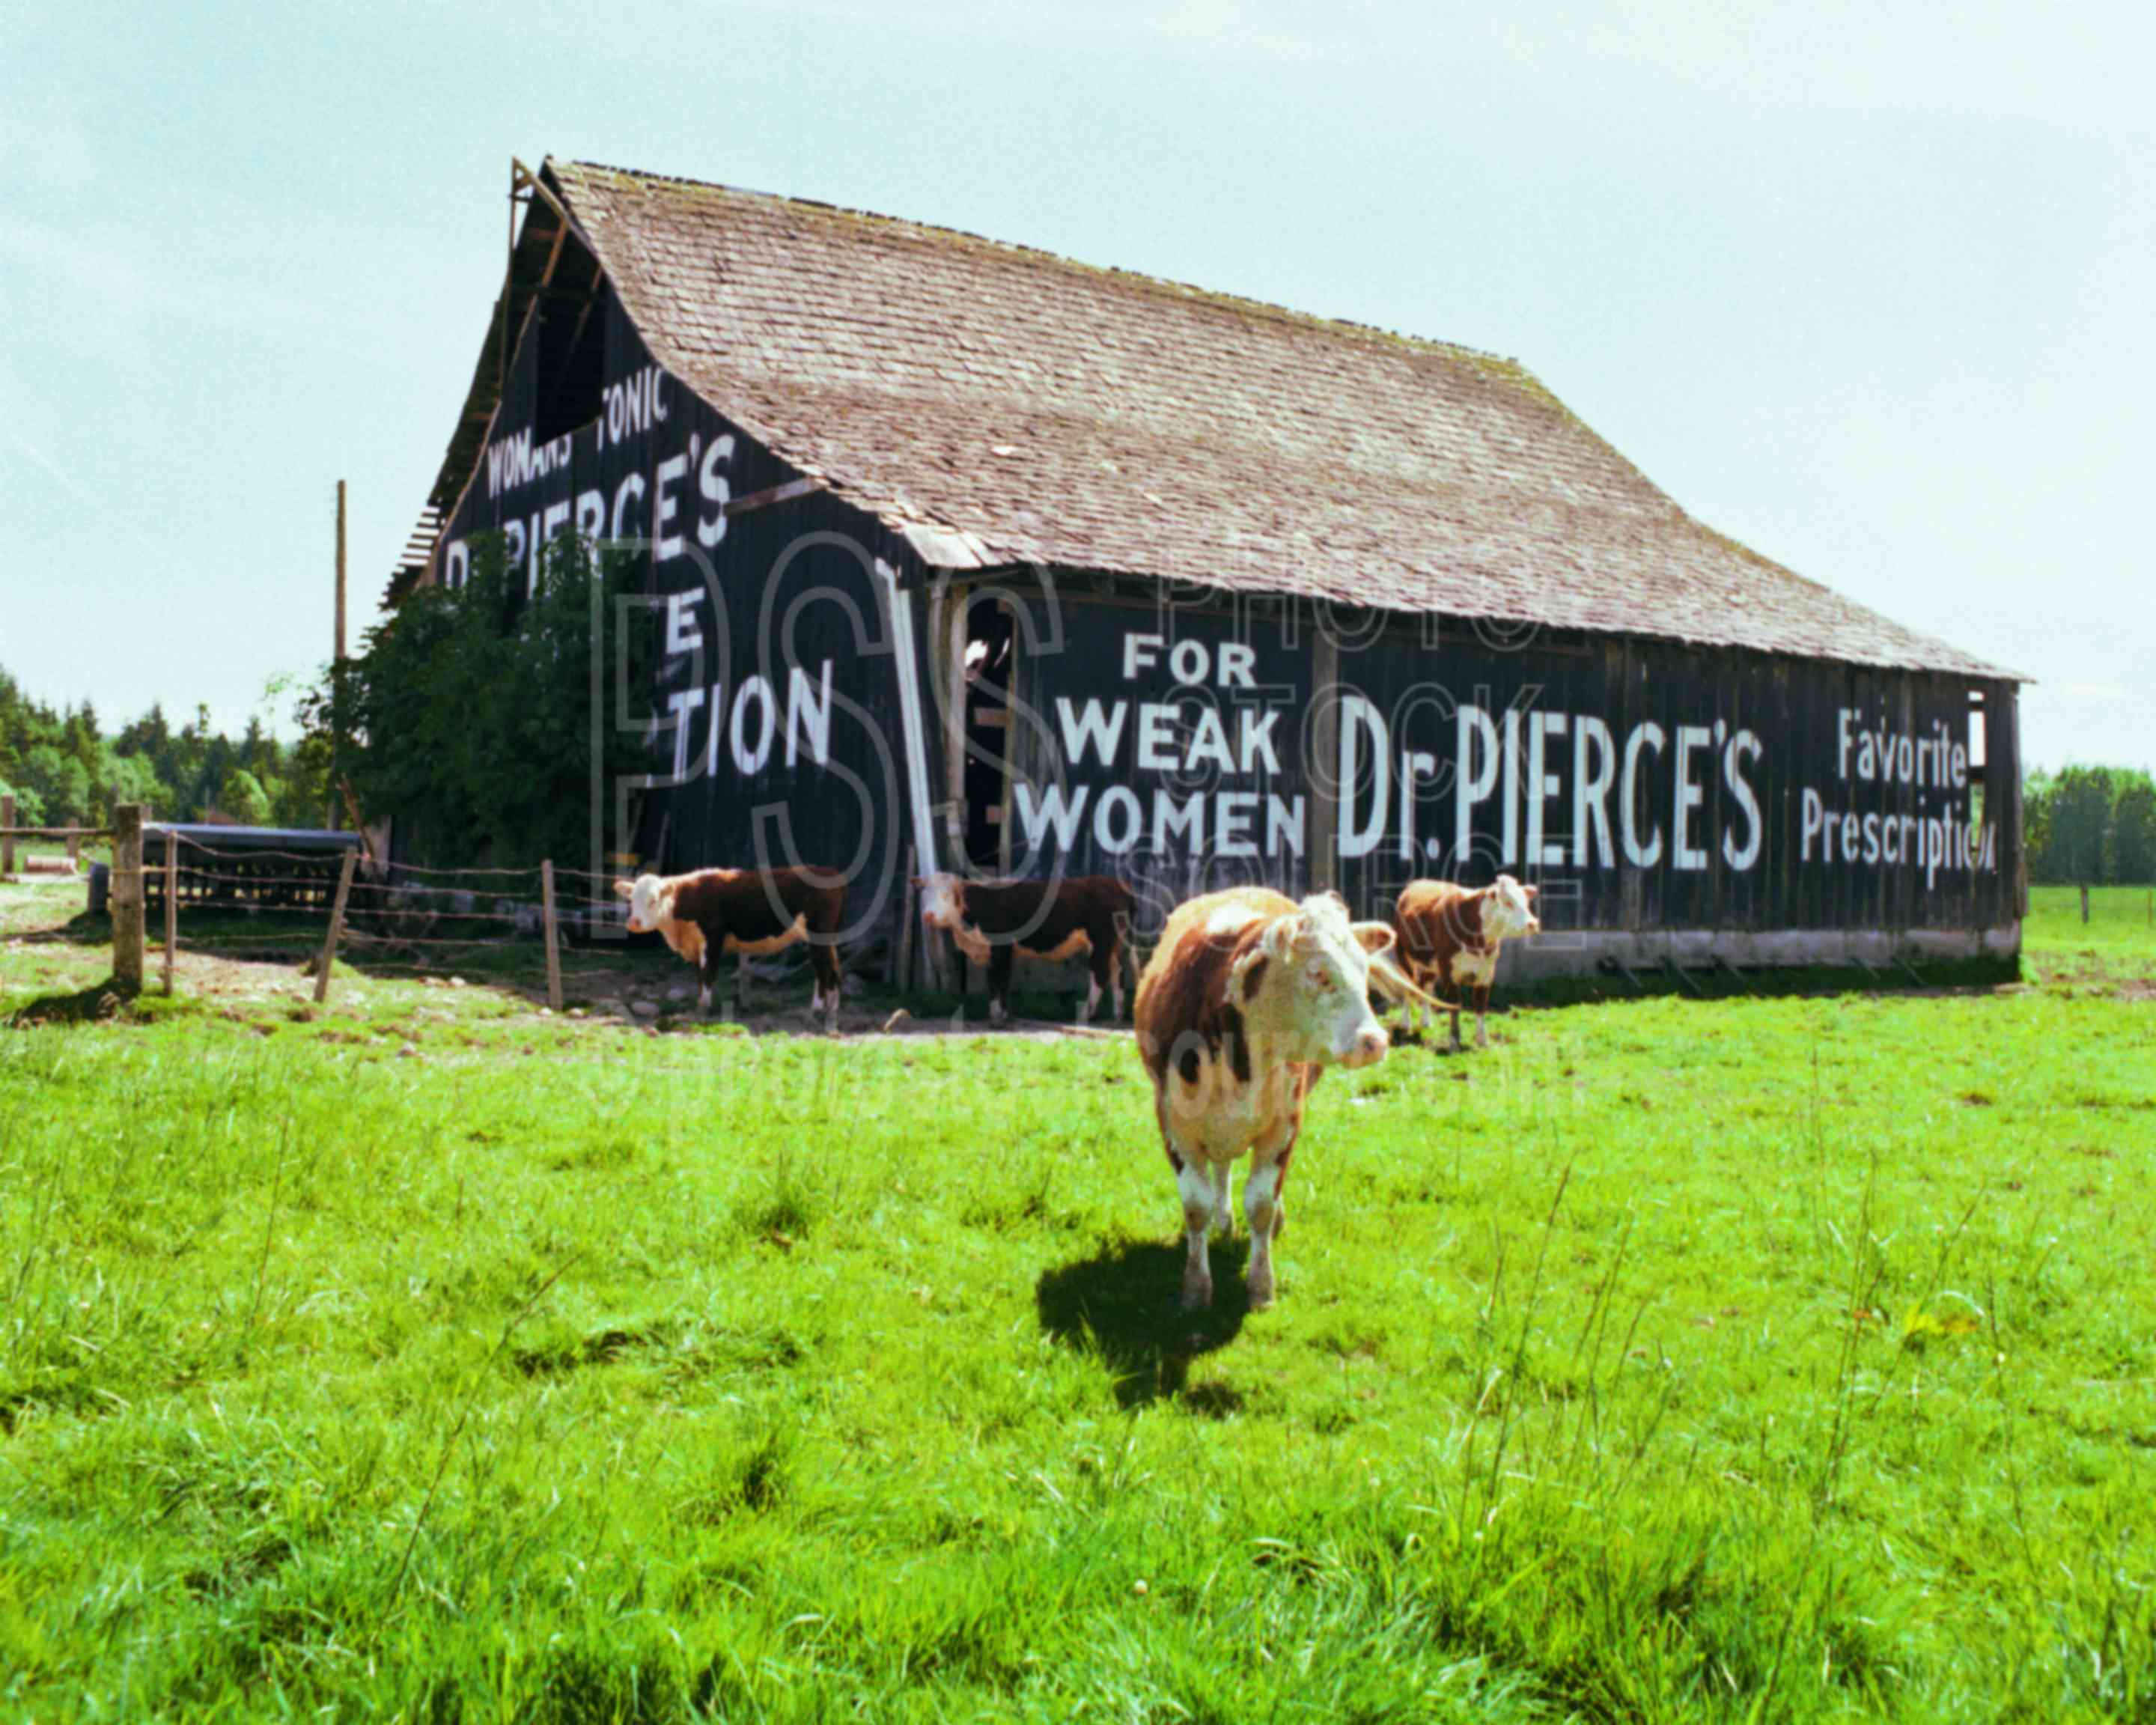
[(468, 713)]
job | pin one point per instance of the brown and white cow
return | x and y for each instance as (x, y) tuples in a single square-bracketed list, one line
[(1449, 939), (752, 912), (1247, 998), (996, 921)]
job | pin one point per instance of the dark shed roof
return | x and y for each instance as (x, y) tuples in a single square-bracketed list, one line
[(1002, 405)]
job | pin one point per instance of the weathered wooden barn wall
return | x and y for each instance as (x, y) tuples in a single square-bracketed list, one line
[(1649, 788), (777, 713), (809, 706)]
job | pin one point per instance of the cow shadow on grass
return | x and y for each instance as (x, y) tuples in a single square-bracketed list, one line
[(1122, 1305)]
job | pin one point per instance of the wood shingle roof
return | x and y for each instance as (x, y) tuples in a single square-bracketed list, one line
[(1001, 405)]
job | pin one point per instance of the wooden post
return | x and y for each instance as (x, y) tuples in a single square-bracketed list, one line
[(128, 898), (1324, 769), (553, 936), (171, 904), (7, 834), (2085, 907), (336, 928), (336, 664), (902, 946), (338, 658), (75, 849)]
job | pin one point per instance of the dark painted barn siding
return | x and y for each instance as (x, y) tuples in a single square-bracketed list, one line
[(1418, 673), (789, 585)]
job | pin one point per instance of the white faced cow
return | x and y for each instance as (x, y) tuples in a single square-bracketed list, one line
[(1449, 940), (752, 912), (1247, 998), (996, 921)]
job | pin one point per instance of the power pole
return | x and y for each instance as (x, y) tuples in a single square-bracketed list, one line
[(339, 575), (336, 665)]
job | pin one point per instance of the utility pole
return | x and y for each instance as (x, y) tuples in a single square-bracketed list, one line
[(339, 658), (337, 666)]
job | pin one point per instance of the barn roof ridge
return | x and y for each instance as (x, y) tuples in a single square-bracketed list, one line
[(998, 403), (1177, 284)]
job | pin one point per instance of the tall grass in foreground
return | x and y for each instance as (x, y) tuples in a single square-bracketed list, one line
[(1675, 1360)]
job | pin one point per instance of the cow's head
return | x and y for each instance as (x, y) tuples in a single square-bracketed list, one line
[(1303, 986), (1508, 909), (650, 902), (943, 899)]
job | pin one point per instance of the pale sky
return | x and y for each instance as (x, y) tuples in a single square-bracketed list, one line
[(1870, 288)]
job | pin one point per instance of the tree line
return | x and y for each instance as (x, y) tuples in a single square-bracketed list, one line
[(63, 769), (2089, 826)]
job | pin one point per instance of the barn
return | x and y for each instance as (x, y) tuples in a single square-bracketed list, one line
[(964, 555)]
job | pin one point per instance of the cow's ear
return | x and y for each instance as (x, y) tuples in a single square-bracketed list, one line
[(1280, 935), (624, 888), (1533, 893), (1374, 936)]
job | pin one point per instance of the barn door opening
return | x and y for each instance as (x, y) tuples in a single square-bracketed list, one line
[(989, 657)]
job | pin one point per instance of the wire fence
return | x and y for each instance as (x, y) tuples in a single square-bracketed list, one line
[(522, 924), (536, 929), (328, 908)]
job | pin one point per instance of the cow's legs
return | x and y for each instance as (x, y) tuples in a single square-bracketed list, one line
[(1002, 960), (1457, 992), (1104, 965), (1224, 1209), (740, 988), (824, 962), (1194, 1182), (1264, 1204), (1116, 982), (707, 976), (1482, 1016)]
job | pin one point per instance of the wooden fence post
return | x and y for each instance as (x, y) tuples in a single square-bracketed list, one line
[(128, 898), (2084, 906), (336, 928), (553, 936), (7, 835), (902, 945), (171, 904), (74, 848)]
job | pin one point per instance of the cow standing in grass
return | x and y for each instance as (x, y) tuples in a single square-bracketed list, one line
[(751, 912), (995, 922), (1247, 998), (1449, 939)]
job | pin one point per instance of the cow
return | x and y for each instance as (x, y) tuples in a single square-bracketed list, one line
[(996, 921), (1449, 939), (752, 912), (1248, 996)]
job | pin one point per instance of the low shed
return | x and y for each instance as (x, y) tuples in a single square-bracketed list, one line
[(968, 556)]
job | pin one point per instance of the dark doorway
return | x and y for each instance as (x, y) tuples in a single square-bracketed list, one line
[(987, 694)]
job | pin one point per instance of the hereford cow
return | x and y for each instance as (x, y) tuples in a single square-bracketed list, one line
[(1449, 937), (1248, 996), (994, 922), (749, 911)]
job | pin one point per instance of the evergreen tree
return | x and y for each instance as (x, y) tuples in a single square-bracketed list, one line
[(2134, 833)]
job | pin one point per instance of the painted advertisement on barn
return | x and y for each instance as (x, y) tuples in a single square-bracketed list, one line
[(776, 724), (1644, 784)]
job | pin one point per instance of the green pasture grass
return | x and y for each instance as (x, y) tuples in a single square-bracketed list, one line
[(2119, 935), (426, 1357)]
